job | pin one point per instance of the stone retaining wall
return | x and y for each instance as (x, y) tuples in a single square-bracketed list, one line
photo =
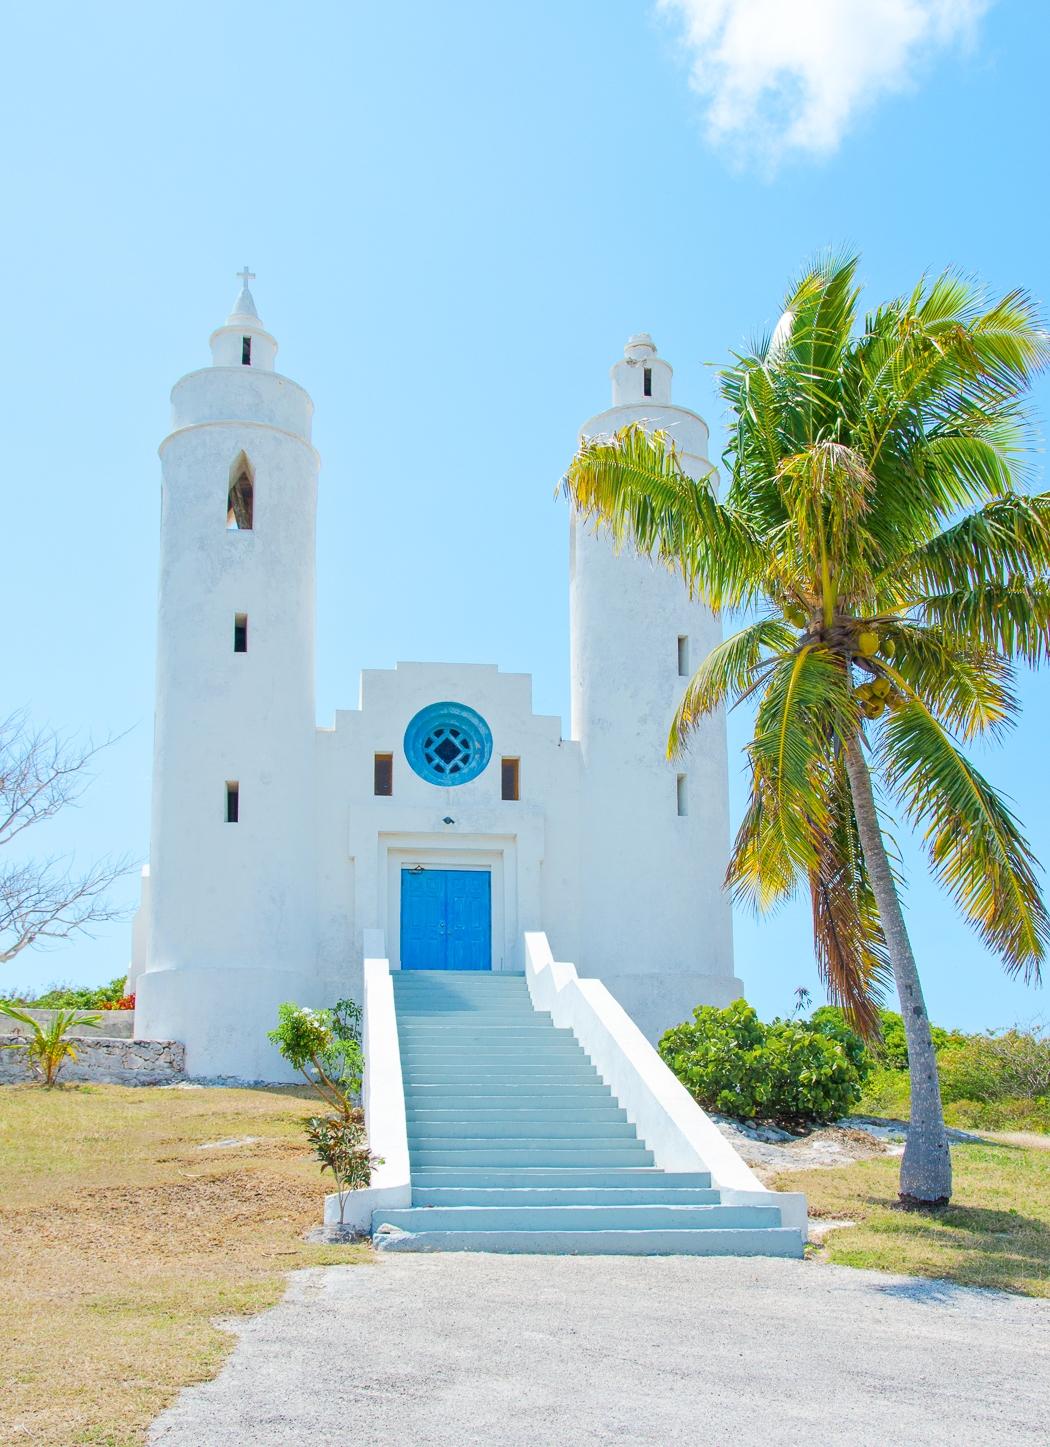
[(112, 1024), (108, 1061)]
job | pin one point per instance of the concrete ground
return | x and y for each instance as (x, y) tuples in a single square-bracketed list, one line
[(539, 1351)]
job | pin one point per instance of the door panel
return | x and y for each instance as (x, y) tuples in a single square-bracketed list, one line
[(423, 938), (469, 920), (446, 919)]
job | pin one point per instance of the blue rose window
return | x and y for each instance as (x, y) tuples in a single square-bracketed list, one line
[(448, 743)]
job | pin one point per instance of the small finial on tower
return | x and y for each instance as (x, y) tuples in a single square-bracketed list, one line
[(639, 347), (244, 306), (642, 376)]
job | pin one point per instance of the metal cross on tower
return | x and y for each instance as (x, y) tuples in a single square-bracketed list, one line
[(246, 276)]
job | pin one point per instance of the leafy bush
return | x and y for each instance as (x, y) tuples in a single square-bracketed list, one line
[(891, 1049), (325, 1047), (1012, 1063), (988, 1082), (70, 997), (886, 1092), (791, 1071)]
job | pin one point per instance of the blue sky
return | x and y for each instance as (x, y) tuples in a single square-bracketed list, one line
[(457, 215)]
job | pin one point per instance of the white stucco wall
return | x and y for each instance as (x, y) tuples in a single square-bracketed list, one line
[(529, 845)]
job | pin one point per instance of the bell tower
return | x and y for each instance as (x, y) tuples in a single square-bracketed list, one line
[(231, 914), (655, 923)]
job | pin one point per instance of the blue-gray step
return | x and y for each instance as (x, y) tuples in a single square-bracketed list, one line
[(516, 1144)]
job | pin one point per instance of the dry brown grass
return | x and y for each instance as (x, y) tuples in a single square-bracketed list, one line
[(995, 1233), (123, 1241)]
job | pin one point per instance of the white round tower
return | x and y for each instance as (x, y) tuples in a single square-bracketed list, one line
[(655, 922), (232, 873)]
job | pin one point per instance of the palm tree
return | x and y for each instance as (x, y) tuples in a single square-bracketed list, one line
[(889, 568)]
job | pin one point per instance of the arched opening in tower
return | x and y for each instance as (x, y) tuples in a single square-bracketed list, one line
[(240, 504)]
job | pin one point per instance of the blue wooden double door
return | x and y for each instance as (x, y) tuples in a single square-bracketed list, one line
[(446, 919)]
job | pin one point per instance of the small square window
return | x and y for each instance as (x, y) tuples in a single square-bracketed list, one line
[(240, 633), (383, 776), (683, 796), (510, 778), (233, 801), (683, 656)]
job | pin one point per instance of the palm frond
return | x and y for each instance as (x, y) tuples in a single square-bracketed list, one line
[(1008, 537), (975, 846), (761, 874), (968, 686), (726, 672), (1011, 618), (806, 704), (633, 482), (850, 947)]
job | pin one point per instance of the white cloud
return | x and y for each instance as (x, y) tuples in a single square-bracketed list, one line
[(783, 76)]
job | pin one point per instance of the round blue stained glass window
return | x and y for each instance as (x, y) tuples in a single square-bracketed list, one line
[(448, 743)]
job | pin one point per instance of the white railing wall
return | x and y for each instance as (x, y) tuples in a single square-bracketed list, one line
[(681, 1136)]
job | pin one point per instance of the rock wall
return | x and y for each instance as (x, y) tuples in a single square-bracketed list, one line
[(108, 1061)]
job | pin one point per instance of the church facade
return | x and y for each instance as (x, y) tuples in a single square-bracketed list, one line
[(439, 820)]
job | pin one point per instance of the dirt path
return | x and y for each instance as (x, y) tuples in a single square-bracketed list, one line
[(562, 1351)]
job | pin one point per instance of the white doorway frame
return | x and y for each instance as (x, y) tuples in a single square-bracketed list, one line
[(430, 855)]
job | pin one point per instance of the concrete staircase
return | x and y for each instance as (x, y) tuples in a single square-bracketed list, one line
[(517, 1145)]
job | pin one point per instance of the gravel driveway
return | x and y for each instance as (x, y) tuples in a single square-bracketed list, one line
[(535, 1351)]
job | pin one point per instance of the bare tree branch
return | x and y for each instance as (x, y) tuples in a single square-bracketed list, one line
[(42, 773)]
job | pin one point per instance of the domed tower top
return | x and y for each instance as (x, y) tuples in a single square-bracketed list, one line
[(642, 376), (243, 341)]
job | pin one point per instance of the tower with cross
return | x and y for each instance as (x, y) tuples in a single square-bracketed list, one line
[(232, 913)]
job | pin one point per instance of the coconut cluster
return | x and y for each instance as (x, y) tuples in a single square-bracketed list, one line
[(878, 694)]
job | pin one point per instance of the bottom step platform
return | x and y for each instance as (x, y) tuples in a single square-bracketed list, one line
[(771, 1241)]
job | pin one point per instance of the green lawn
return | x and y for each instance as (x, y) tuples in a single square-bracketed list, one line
[(996, 1232)]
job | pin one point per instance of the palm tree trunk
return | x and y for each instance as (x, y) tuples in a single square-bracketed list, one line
[(926, 1170)]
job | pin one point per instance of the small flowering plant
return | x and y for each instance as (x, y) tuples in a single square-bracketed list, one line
[(340, 1144), (325, 1047)]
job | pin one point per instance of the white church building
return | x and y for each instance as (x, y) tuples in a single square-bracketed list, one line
[(440, 816)]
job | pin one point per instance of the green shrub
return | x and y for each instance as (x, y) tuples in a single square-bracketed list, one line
[(891, 1048), (1017, 1113), (887, 1091), (70, 997), (791, 1071), (1010, 1064), (325, 1046)]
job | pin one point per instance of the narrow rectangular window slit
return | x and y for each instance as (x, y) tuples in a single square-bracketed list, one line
[(683, 797), (240, 633), (233, 801), (383, 776), (683, 656), (246, 351), (511, 778), (647, 381)]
